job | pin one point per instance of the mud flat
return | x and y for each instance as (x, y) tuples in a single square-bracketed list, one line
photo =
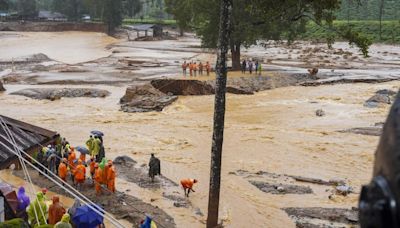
[(122, 205), (56, 94), (318, 217)]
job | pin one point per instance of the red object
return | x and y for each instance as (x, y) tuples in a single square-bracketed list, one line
[(10, 195)]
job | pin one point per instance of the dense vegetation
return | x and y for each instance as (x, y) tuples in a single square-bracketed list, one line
[(390, 31), (369, 10)]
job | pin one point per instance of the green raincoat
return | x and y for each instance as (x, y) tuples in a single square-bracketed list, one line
[(38, 203), (89, 145), (64, 223), (103, 163), (96, 146)]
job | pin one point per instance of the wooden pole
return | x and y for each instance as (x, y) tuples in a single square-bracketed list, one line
[(219, 114)]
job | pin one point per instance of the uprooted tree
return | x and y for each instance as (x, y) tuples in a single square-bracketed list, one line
[(254, 20)]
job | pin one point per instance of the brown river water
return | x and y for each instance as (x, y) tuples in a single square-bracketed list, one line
[(275, 131)]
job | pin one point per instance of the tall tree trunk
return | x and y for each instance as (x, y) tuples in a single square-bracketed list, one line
[(219, 114), (381, 7), (235, 51)]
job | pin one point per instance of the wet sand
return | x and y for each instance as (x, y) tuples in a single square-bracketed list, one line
[(275, 131)]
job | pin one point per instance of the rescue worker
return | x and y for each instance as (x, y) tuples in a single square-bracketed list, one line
[(111, 177), (154, 167), (56, 211), (188, 184), (184, 66), (195, 69), (89, 145), (82, 157), (98, 178), (64, 223), (104, 164), (91, 167), (71, 164), (191, 69), (200, 68), (80, 174), (208, 68), (63, 170), (259, 69), (38, 206)]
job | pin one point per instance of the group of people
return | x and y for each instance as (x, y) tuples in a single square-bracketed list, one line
[(250, 66), (38, 213), (194, 68), (62, 159)]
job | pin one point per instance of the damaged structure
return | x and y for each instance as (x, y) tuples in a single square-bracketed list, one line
[(28, 138)]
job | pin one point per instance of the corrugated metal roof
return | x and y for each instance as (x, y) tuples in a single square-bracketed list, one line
[(26, 136), (140, 27)]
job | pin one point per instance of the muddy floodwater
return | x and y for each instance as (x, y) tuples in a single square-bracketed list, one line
[(274, 131)]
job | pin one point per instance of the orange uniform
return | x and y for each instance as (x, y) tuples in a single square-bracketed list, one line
[(71, 158), (191, 69), (105, 173), (98, 177), (92, 168), (56, 211), (208, 68), (63, 171), (82, 157), (188, 183), (80, 173), (111, 178)]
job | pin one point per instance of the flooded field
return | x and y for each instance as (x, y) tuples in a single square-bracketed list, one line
[(273, 131)]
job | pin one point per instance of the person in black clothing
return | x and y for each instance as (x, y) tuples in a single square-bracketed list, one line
[(154, 167), (244, 66)]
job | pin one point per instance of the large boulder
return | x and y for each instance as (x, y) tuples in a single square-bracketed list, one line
[(143, 97), (381, 97)]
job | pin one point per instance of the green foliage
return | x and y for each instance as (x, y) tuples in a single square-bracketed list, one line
[(112, 14), (132, 7), (368, 10), (14, 223), (4, 5), (26, 8), (369, 29)]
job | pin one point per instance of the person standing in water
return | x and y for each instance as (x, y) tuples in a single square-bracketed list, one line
[(184, 66)]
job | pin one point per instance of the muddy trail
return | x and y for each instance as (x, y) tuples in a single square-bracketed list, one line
[(129, 170), (122, 205)]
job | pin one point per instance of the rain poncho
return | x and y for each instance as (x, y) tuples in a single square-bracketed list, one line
[(64, 222), (56, 211), (96, 146), (39, 205), (148, 223), (89, 145), (154, 167), (23, 199)]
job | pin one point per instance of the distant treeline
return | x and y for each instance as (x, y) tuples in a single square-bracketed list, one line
[(369, 10), (390, 31)]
